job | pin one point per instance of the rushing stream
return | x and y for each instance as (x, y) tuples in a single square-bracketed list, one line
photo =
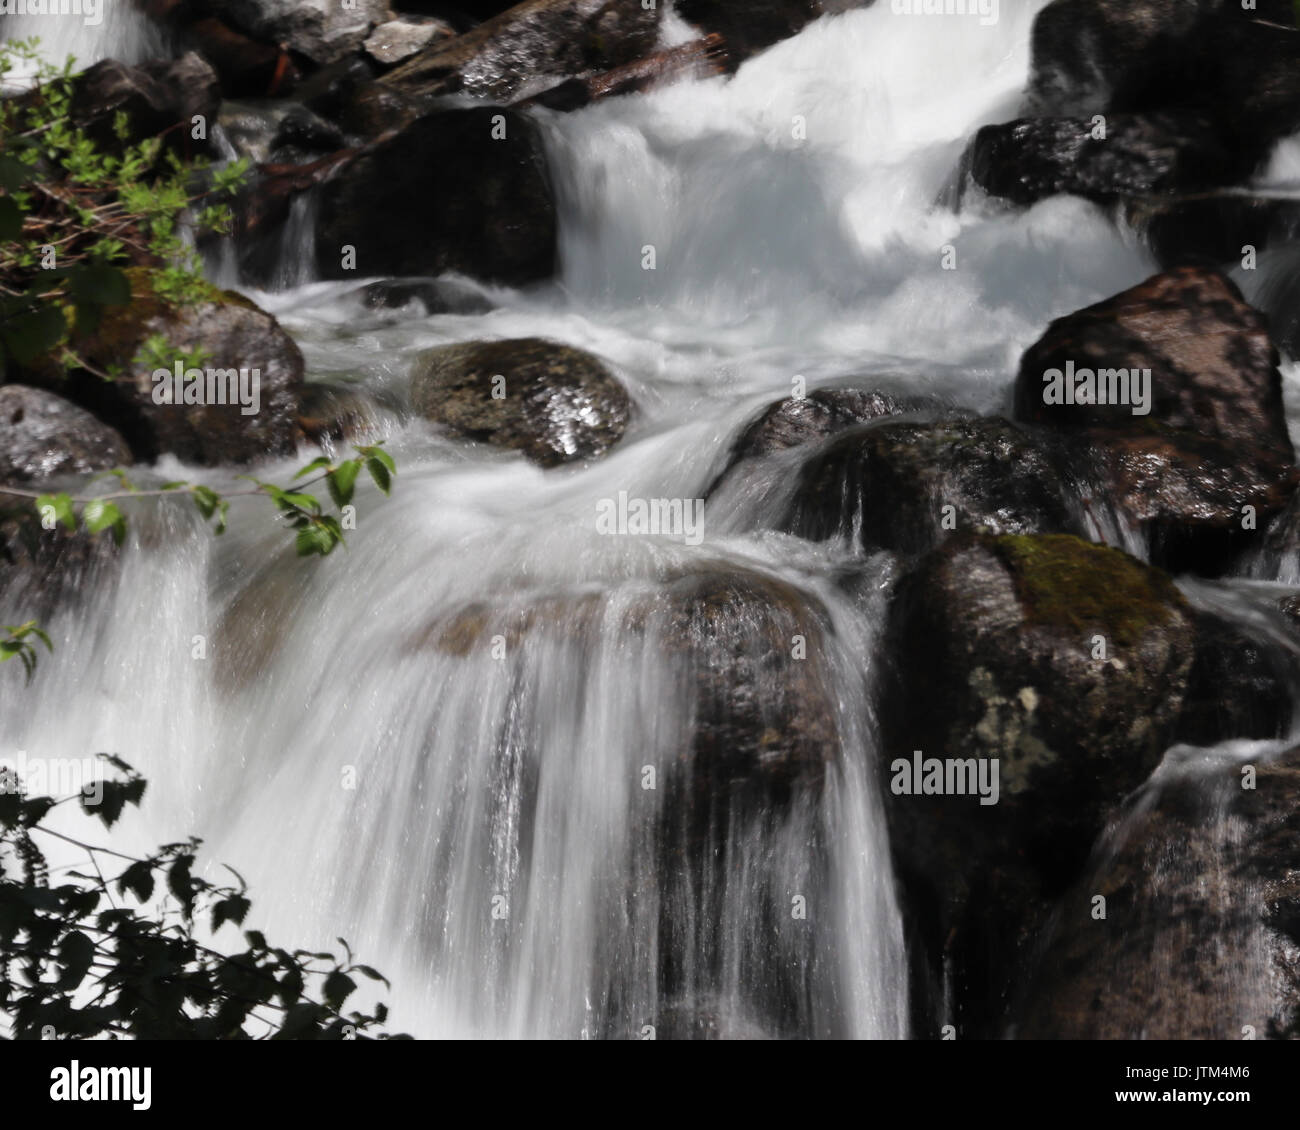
[(477, 826)]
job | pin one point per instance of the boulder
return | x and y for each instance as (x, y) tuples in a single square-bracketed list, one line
[(459, 190), (158, 99), (1238, 65), (553, 403), (1239, 686), (237, 340), (1062, 667), (889, 484), (1140, 155), (1201, 932), (42, 435), (533, 44), (1214, 369), (1196, 501)]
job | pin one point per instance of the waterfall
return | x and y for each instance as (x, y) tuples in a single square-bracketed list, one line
[(89, 31), (475, 820)]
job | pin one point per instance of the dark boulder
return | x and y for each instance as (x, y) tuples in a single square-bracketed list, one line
[(1239, 686), (247, 360), (892, 483), (1197, 501), (1214, 369), (1060, 665), (797, 420), (159, 99), (1201, 921), (460, 190), (436, 296), (1027, 160), (43, 435), (553, 403), (321, 31), (1238, 66)]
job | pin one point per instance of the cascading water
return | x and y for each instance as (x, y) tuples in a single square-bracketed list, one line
[(475, 820)]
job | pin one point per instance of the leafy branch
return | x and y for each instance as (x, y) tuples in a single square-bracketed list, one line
[(318, 532)]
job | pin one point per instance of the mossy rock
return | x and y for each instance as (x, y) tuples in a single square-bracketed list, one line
[(1066, 665), (233, 332)]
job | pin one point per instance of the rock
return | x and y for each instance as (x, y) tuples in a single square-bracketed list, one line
[(333, 88), (1202, 927), (436, 296), (396, 40), (535, 43), (236, 336), (445, 195), (887, 483), (1239, 686), (306, 134), (334, 416), (43, 435), (1186, 494), (1214, 369), (797, 420), (1064, 664), (158, 99), (560, 404), (1027, 160), (1237, 65), (323, 31)]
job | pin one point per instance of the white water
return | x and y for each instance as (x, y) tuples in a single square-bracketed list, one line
[(477, 777)]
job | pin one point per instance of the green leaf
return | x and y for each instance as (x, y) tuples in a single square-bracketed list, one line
[(101, 285), (14, 173), (206, 499), (61, 504), (314, 465), (342, 482), (232, 909), (100, 515), (30, 335), (11, 219), (379, 471)]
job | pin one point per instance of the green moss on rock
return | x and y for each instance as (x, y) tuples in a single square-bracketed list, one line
[(1077, 587)]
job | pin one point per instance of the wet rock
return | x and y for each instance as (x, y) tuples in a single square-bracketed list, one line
[(1238, 687), (158, 99), (1201, 936), (1030, 159), (436, 296), (889, 483), (396, 40), (1198, 501), (447, 193), (305, 133), (322, 31), (998, 656), (798, 420), (1063, 664), (43, 571), (1213, 366), (558, 404), (536, 43), (333, 87), (240, 343), (1237, 65), (43, 435)]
